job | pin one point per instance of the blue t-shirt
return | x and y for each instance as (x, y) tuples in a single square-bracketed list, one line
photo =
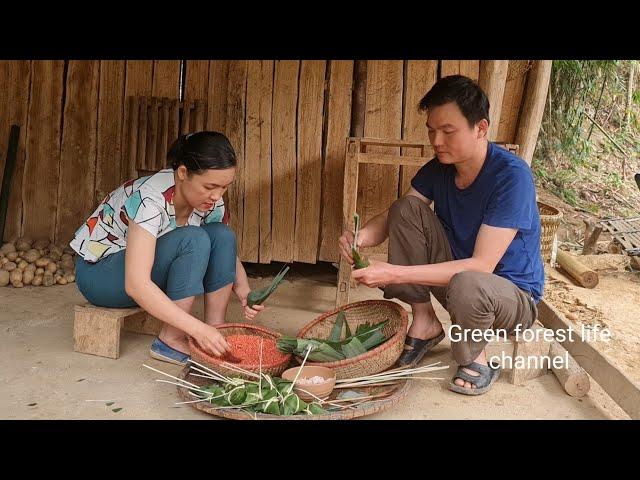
[(502, 195)]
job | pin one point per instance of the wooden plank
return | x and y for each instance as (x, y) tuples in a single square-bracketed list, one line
[(235, 132), (109, 135), (386, 159), (40, 187), (513, 90), (378, 184), (76, 185), (130, 136), (493, 78), (185, 121), (217, 95), (196, 85), (257, 197), (420, 76), (163, 137), (449, 67), (266, 94), (15, 81), (285, 96), (338, 119), (152, 134), (138, 82), (470, 68), (251, 214), (534, 101), (198, 116), (166, 78), (141, 142), (174, 122), (309, 174), (612, 380)]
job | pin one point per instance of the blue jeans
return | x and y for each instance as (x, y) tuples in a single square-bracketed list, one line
[(188, 261)]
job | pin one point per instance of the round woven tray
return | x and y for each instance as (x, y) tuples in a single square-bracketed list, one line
[(215, 363), (373, 311), (398, 392), (549, 222)]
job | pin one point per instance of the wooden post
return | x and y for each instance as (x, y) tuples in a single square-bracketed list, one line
[(535, 98), (493, 78), (591, 234)]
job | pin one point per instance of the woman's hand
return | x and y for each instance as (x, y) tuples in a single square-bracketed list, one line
[(211, 340), (249, 312)]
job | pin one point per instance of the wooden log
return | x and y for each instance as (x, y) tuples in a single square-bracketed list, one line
[(616, 383), (572, 376), (174, 122), (535, 99), (591, 234), (185, 124), (198, 116), (583, 275)]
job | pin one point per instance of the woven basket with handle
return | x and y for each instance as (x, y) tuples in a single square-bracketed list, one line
[(549, 222), (216, 364), (373, 311)]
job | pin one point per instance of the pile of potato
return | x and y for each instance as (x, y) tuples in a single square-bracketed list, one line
[(40, 262)]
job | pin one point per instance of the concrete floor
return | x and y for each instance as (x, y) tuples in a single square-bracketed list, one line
[(41, 377)]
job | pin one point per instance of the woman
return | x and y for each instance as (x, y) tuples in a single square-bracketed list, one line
[(159, 241)]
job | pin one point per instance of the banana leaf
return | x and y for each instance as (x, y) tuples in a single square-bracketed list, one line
[(353, 348), (293, 404), (236, 396), (347, 330), (259, 295), (358, 260), (336, 331), (315, 409), (373, 340)]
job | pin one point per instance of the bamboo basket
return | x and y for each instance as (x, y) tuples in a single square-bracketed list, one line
[(549, 222), (216, 364), (373, 311)]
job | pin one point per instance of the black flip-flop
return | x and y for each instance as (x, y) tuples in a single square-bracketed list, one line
[(483, 382), (416, 348)]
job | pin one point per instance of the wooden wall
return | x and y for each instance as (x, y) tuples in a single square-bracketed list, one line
[(288, 121)]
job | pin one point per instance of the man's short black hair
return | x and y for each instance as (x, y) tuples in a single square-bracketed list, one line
[(467, 94)]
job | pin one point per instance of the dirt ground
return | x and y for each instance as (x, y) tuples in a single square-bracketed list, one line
[(43, 378)]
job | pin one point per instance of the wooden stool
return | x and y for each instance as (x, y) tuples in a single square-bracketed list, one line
[(96, 330), (514, 348)]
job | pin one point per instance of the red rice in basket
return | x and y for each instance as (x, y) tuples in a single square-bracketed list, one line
[(246, 348)]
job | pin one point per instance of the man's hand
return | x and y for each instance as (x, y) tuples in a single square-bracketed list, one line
[(345, 242), (377, 274)]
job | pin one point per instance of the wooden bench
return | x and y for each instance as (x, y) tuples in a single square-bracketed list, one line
[(96, 330)]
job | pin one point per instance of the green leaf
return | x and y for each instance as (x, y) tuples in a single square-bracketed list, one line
[(236, 396), (347, 332), (373, 340), (359, 261), (108, 404), (116, 410), (353, 348), (258, 296), (336, 331), (316, 409)]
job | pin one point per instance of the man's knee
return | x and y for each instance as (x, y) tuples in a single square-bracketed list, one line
[(406, 208), (466, 290)]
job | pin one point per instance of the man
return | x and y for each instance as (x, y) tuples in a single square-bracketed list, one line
[(479, 253)]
